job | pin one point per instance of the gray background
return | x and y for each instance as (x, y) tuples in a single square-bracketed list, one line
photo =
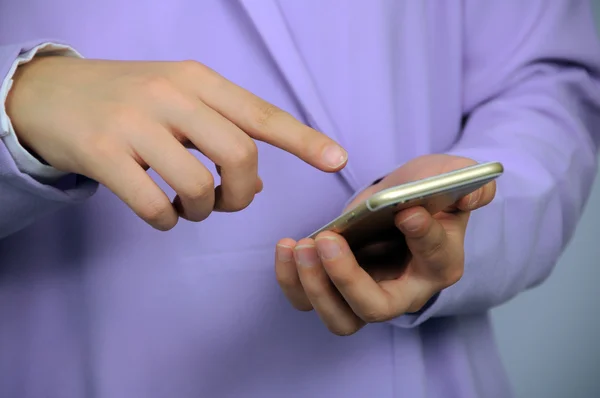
[(549, 336)]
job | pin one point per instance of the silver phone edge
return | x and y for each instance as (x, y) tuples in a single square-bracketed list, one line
[(435, 184)]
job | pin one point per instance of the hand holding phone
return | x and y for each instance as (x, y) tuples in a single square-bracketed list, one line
[(373, 219), (393, 255)]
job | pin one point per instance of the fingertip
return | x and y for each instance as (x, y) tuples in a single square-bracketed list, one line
[(286, 242), (165, 225), (329, 248), (489, 193), (464, 203), (305, 254), (480, 198), (259, 185), (333, 158), (303, 244), (284, 251), (331, 245), (327, 235), (166, 222)]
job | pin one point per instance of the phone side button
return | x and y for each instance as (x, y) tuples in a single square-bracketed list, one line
[(352, 216)]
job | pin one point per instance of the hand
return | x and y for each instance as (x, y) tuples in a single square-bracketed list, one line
[(350, 289), (110, 120)]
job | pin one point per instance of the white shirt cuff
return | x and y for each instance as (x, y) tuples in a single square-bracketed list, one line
[(25, 161)]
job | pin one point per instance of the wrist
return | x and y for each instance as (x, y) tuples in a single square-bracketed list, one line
[(16, 100), (19, 108)]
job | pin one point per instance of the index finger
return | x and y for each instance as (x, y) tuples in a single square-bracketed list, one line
[(266, 122)]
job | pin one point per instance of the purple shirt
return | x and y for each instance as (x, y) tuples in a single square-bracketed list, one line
[(94, 303)]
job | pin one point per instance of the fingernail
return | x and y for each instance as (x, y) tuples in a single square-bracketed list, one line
[(306, 255), (328, 247), (334, 156), (285, 254), (412, 223), (474, 198)]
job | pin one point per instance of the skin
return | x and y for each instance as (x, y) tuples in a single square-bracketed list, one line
[(350, 289), (112, 120)]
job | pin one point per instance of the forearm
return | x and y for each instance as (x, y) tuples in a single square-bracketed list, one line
[(538, 114), (542, 131)]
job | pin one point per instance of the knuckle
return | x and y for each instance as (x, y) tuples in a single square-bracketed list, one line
[(157, 86), (156, 212), (102, 145), (234, 202), (264, 113), (379, 313), (162, 90), (196, 70), (241, 203), (433, 245), (244, 154), (432, 249), (201, 189), (193, 68), (453, 275), (374, 316), (185, 104), (189, 66), (122, 117), (98, 149)]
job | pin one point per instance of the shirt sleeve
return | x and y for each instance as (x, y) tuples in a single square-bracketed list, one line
[(23, 198), (532, 102), (26, 162)]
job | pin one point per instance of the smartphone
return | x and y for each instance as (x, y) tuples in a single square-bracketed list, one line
[(373, 219)]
